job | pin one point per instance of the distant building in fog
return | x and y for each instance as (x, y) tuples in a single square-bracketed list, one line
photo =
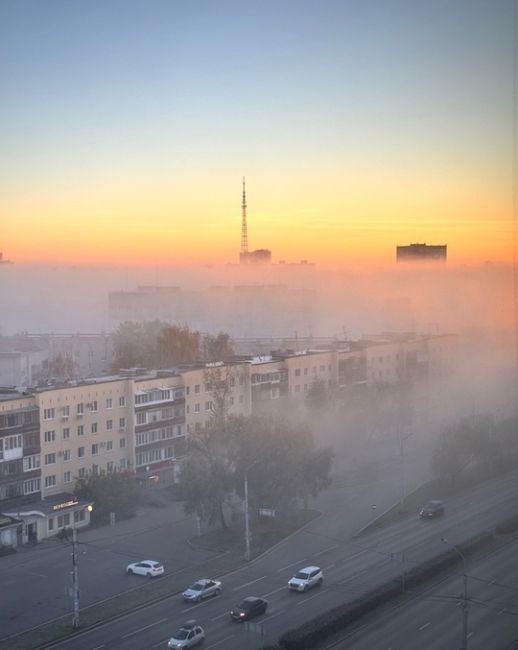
[(260, 256), (421, 252)]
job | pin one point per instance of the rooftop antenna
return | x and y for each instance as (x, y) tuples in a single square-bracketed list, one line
[(244, 233)]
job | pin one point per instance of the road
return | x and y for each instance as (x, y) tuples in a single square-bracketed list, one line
[(351, 566), (433, 617)]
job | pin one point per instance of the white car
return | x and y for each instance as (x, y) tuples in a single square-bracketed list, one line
[(203, 588), (310, 576), (188, 636), (148, 568)]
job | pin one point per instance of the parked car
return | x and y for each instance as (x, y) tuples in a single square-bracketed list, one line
[(432, 509), (148, 568), (248, 608), (310, 576), (203, 588), (188, 636)]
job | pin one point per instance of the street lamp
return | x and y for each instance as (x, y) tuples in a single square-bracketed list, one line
[(75, 570), (248, 534), (464, 645)]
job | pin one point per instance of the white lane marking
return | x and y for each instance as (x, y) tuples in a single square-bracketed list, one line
[(320, 591), (284, 587), (99, 647), (470, 635), (249, 583), (273, 616), (191, 607), (160, 643), (423, 627), (331, 548), (329, 567), (213, 645), (220, 616), (301, 562), (501, 611), (141, 629)]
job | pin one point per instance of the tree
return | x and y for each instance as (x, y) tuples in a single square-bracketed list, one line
[(136, 344), (177, 344), (216, 348), (289, 469), (114, 492)]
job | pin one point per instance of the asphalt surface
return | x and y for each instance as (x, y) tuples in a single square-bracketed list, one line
[(351, 566), (433, 617)]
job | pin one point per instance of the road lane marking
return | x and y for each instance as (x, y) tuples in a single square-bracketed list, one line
[(292, 564), (191, 607), (329, 567), (321, 591), (220, 616), (469, 635), (160, 643), (275, 591), (501, 612), (99, 647), (213, 645), (141, 629), (249, 583), (423, 627), (331, 548)]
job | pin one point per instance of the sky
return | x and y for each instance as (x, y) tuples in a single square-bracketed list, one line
[(126, 127)]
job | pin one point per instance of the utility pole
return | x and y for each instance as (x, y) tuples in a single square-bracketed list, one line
[(465, 597), (248, 534), (75, 578)]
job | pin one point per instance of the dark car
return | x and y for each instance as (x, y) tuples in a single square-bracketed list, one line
[(432, 509), (248, 608)]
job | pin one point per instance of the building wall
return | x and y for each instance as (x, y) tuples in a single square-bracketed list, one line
[(85, 428)]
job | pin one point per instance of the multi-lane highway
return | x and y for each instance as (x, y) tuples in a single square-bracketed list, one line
[(351, 566)]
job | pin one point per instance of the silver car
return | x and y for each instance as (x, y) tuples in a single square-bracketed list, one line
[(310, 576), (203, 588), (188, 636)]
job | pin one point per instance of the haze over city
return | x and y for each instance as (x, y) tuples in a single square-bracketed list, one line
[(259, 322)]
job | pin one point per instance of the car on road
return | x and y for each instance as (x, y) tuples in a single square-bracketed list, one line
[(249, 608), (310, 576), (148, 568), (202, 588), (432, 509), (188, 636)]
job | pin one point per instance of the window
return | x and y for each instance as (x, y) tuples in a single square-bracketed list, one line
[(95, 470), (187, 409), (50, 459), (49, 414), (80, 430), (79, 515), (122, 463), (196, 408), (93, 428), (305, 371), (80, 408), (297, 372), (49, 436), (109, 467), (67, 454), (66, 411), (208, 406), (50, 481), (122, 423), (94, 405), (122, 401), (81, 473), (31, 462), (109, 425), (51, 523), (197, 388), (141, 418), (95, 449), (122, 443), (66, 433), (80, 452), (109, 403), (67, 477), (187, 390), (231, 400), (31, 485), (109, 445)]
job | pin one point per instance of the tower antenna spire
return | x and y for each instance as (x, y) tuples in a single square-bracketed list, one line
[(244, 232)]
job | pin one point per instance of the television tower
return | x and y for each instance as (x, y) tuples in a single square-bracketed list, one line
[(244, 233)]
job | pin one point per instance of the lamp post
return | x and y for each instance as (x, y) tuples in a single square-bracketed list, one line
[(75, 571), (248, 534), (464, 642), (403, 468)]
